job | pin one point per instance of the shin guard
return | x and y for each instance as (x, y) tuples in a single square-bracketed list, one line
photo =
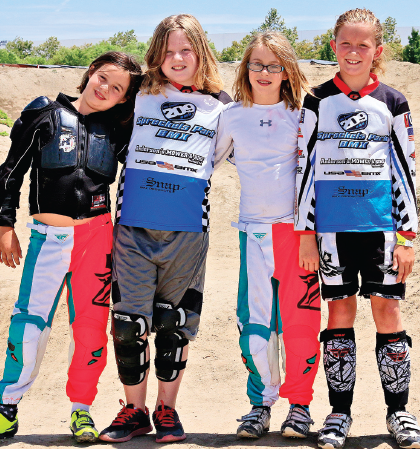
[(340, 367), (393, 357)]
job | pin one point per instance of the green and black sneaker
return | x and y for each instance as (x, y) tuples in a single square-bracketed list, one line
[(8, 420), (83, 427)]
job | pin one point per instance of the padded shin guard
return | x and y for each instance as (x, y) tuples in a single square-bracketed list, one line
[(393, 357), (130, 348), (168, 359), (340, 367)]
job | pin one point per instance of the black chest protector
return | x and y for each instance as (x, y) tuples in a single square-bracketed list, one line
[(76, 144)]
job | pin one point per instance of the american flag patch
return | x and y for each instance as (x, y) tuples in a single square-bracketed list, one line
[(407, 120), (410, 132), (161, 164), (353, 173)]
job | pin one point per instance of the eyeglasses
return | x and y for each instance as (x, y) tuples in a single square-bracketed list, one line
[(257, 67)]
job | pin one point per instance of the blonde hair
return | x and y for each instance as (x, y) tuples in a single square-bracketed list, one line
[(291, 88), (365, 16), (207, 76)]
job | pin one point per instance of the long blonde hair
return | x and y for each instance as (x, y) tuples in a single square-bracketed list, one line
[(207, 76), (291, 88), (359, 15)]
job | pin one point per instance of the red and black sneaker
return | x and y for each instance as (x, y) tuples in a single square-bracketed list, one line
[(129, 423), (167, 423)]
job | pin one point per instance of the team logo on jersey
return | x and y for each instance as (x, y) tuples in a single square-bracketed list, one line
[(178, 111), (353, 121), (407, 120), (61, 237), (67, 142), (310, 299)]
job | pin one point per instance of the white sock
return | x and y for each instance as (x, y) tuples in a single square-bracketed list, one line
[(79, 405)]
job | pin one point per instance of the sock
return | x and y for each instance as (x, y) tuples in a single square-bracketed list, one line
[(79, 405)]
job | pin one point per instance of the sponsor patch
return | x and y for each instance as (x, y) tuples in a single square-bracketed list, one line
[(355, 173), (407, 120), (260, 235), (67, 142), (178, 111), (302, 116), (410, 132), (353, 121), (98, 201)]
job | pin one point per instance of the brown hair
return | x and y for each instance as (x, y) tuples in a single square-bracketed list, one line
[(359, 15), (291, 88), (126, 62), (207, 76)]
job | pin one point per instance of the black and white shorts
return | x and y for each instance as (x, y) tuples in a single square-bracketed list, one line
[(343, 255), (166, 265)]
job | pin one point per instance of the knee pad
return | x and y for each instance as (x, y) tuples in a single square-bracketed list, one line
[(166, 318), (393, 357), (339, 358), (130, 349), (168, 359)]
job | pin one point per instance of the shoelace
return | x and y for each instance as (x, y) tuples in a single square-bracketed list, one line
[(123, 415), (165, 416)]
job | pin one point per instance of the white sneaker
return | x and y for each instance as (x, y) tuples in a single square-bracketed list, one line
[(255, 423), (297, 423), (334, 433), (404, 428)]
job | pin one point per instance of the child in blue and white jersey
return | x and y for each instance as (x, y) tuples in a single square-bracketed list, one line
[(161, 238), (356, 190)]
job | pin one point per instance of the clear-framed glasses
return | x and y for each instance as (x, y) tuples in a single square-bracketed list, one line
[(257, 67)]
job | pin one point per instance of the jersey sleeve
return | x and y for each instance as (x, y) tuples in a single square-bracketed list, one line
[(403, 171), (25, 136), (224, 141), (305, 173)]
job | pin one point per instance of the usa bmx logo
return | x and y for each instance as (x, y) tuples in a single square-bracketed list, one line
[(178, 111), (353, 121)]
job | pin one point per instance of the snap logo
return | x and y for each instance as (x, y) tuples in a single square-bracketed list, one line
[(353, 121), (178, 111)]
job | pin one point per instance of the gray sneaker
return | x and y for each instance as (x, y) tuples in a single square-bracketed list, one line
[(404, 428), (334, 433), (297, 422), (255, 423)]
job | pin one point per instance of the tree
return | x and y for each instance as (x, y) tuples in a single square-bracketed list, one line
[(8, 57), (48, 49), (304, 49), (390, 31), (122, 39), (274, 22), (322, 46), (411, 52), (20, 47)]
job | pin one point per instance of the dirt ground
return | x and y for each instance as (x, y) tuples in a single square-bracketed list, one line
[(213, 392)]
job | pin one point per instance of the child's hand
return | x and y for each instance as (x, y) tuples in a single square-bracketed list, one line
[(308, 252), (10, 251), (403, 262)]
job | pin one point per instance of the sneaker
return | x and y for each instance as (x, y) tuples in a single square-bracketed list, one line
[(129, 423), (404, 428), (8, 420), (297, 422), (83, 427), (255, 423), (334, 433), (167, 424)]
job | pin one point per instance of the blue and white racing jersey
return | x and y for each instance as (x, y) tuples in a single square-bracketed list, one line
[(166, 179), (356, 164)]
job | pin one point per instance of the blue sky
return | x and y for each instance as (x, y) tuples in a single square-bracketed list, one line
[(37, 20)]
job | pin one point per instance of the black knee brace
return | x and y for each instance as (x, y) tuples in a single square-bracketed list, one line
[(130, 349), (340, 367), (393, 357), (169, 355)]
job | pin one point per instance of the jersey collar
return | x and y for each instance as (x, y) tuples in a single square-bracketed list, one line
[(356, 95), (185, 89)]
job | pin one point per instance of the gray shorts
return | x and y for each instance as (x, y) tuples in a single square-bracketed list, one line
[(163, 264)]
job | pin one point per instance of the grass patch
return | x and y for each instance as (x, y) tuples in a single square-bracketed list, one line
[(4, 133), (5, 120)]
